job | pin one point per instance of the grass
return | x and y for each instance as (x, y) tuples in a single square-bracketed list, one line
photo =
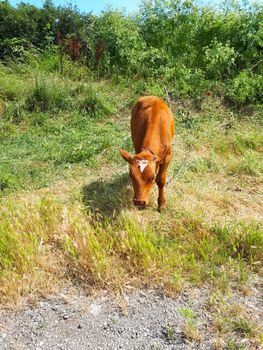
[(144, 254), (190, 329), (192, 333), (57, 128), (65, 197)]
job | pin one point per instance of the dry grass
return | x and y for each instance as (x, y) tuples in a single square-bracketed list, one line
[(61, 237), (218, 199), (218, 343), (192, 333)]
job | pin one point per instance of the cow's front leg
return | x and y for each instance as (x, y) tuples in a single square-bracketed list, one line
[(161, 180)]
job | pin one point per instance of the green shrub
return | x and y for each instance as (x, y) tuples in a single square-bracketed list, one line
[(152, 62), (219, 59), (18, 49), (246, 87), (189, 48)]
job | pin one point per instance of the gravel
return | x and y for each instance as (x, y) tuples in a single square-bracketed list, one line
[(141, 320)]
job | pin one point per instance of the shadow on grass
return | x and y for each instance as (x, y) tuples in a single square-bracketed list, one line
[(106, 198)]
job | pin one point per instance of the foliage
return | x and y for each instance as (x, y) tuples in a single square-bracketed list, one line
[(188, 48), (245, 88), (118, 44)]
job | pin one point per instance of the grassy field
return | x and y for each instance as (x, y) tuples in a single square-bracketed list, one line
[(65, 198)]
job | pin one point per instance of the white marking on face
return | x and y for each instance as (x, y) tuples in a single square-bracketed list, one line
[(142, 164)]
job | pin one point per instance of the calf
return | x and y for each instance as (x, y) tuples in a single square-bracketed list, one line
[(152, 130)]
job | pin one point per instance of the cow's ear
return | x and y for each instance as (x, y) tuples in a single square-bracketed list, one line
[(158, 160), (126, 155)]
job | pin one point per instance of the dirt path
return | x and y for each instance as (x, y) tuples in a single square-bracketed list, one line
[(141, 320)]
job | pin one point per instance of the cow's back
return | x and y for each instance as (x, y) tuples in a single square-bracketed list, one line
[(151, 122)]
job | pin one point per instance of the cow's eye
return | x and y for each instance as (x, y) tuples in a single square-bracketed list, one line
[(153, 179)]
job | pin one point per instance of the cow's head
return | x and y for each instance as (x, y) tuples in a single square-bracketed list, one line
[(143, 170)]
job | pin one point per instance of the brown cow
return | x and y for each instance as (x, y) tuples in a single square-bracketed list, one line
[(152, 129)]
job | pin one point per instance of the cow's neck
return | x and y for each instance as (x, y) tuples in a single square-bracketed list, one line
[(151, 140)]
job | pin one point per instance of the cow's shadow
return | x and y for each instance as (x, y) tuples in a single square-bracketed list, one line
[(106, 198)]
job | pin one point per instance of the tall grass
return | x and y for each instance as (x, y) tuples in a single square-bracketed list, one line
[(118, 251), (26, 266)]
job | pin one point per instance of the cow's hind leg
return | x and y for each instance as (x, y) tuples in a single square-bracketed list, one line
[(161, 180)]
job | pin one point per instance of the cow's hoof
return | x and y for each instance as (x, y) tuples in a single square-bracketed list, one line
[(161, 208)]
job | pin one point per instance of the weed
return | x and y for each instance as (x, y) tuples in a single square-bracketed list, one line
[(234, 345), (244, 326), (169, 332), (218, 343), (187, 313), (155, 346), (191, 332), (25, 261), (190, 329)]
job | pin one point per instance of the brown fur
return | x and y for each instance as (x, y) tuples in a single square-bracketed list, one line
[(152, 130)]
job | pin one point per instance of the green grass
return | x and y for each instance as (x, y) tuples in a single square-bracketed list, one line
[(52, 128), (245, 327), (65, 197)]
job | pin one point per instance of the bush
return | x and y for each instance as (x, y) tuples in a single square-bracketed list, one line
[(246, 87), (219, 59), (46, 97), (188, 48)]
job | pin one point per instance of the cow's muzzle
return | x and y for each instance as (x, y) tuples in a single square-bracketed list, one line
[(140, 204)]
